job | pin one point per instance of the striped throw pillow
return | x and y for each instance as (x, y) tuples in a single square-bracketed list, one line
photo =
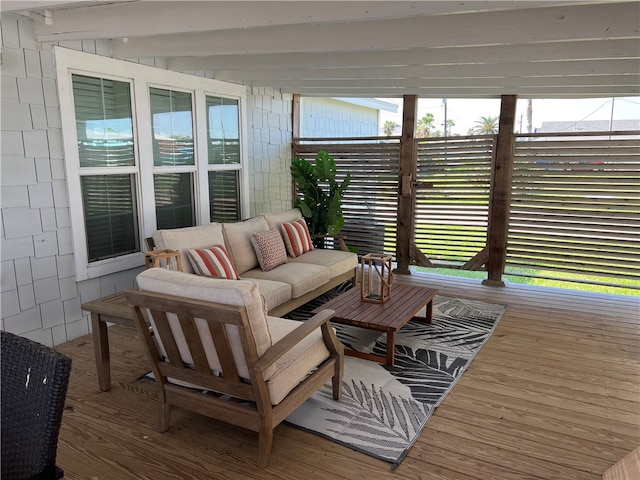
[(297, 238), (212, 262), (269, 249)]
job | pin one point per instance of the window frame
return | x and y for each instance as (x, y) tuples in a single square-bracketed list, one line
[(141, 79)]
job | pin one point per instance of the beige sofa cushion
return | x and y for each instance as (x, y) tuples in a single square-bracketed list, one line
[(275, 220), (237, 240), (296, 364), (302, 277), (183, 239), (337, 261), (274, 293), (237, 293)]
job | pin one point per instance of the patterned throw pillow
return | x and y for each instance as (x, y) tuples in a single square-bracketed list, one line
[(269, 249), (212, 262), (297, 238)]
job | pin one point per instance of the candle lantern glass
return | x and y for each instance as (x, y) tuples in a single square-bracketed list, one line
[(376, 278)]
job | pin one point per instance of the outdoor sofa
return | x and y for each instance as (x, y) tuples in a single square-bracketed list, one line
[(273, 250)]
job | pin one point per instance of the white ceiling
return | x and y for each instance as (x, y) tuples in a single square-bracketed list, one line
[(536, 49)]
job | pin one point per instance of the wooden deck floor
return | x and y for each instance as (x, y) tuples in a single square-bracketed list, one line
[(554, 394)]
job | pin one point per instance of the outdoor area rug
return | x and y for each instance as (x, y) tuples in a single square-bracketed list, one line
[(383, 409)]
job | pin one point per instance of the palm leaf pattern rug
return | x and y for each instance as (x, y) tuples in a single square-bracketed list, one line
[(383, 409)]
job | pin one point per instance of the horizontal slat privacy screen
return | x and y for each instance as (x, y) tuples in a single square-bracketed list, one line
[(370, 203), (576, 204), (452, 197)]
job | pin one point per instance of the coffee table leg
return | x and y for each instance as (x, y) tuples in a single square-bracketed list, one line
[(101, 351), (429, 312), (391, 347)]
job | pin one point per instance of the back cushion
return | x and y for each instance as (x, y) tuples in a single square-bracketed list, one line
[(275, 220), (183, 239), (239, 293), (237, 240)]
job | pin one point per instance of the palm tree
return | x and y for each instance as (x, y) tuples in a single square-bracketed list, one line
[(485, 126), (389, 127), (424, 127)]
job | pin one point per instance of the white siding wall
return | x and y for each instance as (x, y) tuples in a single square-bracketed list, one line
[(40, 296), (327, 117), (269, 140)]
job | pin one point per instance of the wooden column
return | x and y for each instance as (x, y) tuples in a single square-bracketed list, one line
[(500, 196), (295, 134), (406, 178)]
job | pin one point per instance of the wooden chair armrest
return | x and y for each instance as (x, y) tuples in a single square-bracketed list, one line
[(286, 343)]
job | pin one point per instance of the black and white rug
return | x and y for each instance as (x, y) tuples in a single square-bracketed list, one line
[(383, 409)]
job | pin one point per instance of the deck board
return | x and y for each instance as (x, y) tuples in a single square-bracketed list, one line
[(554, 394)]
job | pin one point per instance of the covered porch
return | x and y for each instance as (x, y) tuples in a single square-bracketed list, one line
[(555, 393)]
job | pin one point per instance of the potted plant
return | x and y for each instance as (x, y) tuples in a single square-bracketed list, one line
[(321, 200)]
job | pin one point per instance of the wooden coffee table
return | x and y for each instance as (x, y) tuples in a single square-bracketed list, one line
[(405, 302)]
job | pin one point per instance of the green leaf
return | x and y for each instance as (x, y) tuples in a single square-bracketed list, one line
[(321, 194)]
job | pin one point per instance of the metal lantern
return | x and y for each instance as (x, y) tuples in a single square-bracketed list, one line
[(376, 278)]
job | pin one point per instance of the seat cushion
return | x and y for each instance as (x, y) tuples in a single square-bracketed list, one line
[(238, 293), (298, 362), (237, 240), (274, 293), (303, 278), (183, 239), (337, 261)]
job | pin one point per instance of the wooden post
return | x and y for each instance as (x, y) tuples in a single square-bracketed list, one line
[(295, 130), (500, 196), (407, 176)]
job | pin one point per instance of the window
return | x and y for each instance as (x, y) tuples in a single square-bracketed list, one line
[(145, 149)]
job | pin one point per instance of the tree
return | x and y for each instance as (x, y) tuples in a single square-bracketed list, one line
[(389, 127), (485, 126), (424, 127)]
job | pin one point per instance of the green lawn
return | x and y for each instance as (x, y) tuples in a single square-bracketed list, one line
[(536, 277)]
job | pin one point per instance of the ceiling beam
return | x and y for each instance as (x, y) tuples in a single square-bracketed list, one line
[(568, 50), (515, 70), (136, 19), (578, 82), (566, 91), (569, 22)]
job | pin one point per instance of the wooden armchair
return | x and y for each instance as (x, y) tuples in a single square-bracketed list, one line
[(257, 369)]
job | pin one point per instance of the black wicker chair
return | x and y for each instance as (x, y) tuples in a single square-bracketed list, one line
[(33, 389)]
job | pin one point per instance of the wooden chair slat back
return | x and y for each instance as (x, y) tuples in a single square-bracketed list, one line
[(225, 355), (163, 330), (194, 342), (187, 314)]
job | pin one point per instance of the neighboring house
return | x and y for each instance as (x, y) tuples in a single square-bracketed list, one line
[(342, 117), (589, 126)]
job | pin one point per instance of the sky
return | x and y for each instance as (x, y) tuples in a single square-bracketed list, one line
[(465, 112)]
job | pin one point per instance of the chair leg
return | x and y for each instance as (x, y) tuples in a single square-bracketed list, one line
[(265, 441), (165, 416), (336, 381)]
